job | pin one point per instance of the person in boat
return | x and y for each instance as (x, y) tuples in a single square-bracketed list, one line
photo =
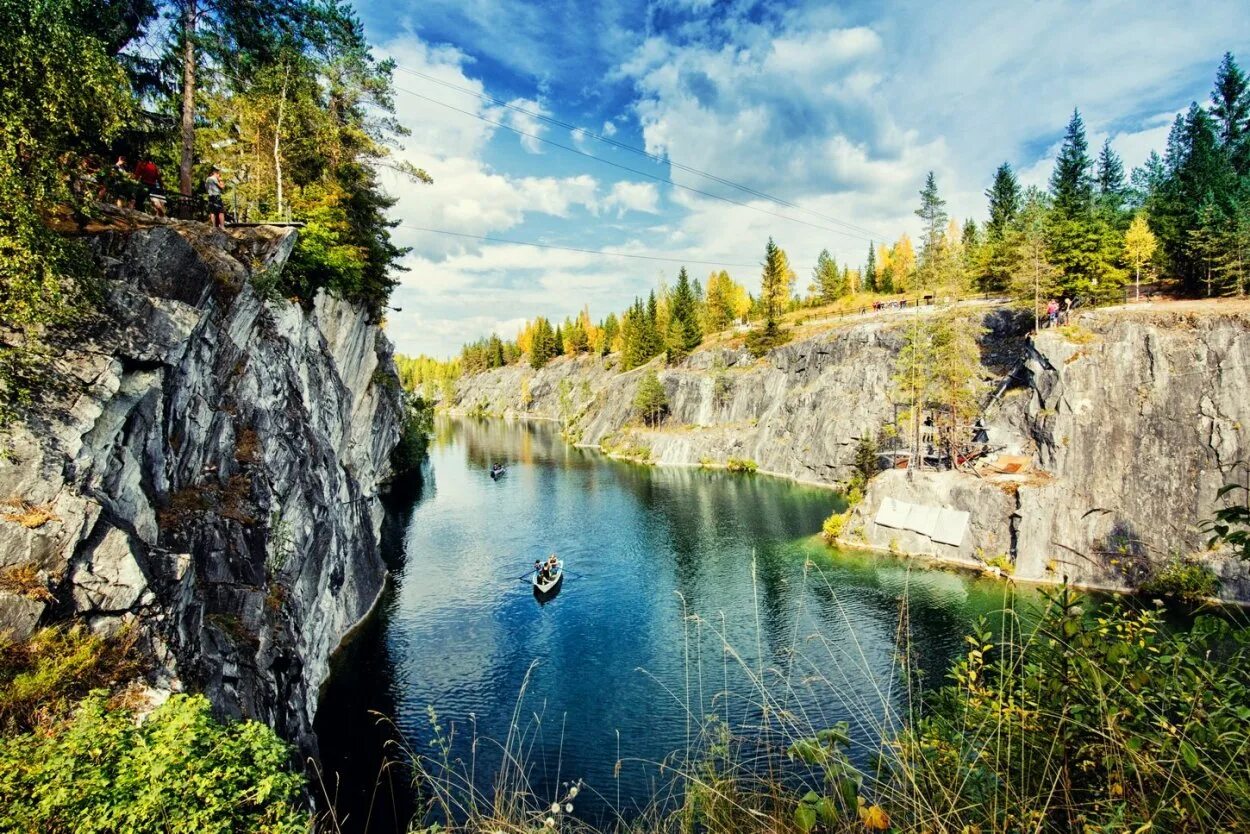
[(540, 570), (552, 564)]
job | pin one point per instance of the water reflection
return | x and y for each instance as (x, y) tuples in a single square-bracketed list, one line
[(668, 567)]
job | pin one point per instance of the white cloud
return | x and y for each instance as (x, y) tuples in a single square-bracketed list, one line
[(842, 119), (633, 196), (526, 123)]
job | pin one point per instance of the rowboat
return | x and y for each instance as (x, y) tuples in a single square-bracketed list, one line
[(548, 585)]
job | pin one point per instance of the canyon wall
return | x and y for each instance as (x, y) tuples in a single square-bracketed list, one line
[(204, 467), (1131, 419)]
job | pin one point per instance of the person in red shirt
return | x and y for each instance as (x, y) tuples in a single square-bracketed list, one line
[(149, 177)]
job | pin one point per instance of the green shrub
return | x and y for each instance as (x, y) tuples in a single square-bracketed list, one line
[(832, 529), (763, 339), (741, 465), (650, 400), (178, 772), (414, 436), (41, 678), (1103, 715), (1182, 578)]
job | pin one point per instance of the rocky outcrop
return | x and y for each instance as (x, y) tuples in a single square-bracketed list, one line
[(1131, 420), (796, 413), (206, 469)]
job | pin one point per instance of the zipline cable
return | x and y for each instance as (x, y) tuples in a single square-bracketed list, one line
[(640, 151), (647, 174), (602, 252)]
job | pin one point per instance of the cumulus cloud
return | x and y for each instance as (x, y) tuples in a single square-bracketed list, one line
[(841, 110), (633, 196), (528, 124)]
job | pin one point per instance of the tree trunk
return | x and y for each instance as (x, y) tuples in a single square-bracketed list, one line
[(188, 98), (277, 141)]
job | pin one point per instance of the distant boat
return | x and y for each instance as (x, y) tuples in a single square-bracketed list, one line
[(551, 583), (497, 471)]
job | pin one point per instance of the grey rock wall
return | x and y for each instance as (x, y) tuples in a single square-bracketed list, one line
[(796, 412), (1133, 420), (210, 468)]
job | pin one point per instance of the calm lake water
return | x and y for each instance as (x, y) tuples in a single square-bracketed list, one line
[(685, 589)]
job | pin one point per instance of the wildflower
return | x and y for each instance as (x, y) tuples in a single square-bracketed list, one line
[(568, 809), (550, 822), (555, 807), (874, 817), (573, 792)]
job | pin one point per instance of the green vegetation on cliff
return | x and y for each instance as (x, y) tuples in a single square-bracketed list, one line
[(283, 97), (79, 756)]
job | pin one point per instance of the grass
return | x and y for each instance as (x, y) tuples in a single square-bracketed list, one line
[(31, 516), (741, 465), (41, 678), (1094, 718), (25, 580)]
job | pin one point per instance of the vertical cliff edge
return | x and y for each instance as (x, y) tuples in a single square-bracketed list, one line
[(206, 469)]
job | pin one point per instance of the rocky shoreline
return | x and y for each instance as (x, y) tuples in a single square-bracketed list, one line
[(1131, 419)]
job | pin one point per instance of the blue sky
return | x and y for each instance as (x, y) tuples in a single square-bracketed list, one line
[(837, 109)]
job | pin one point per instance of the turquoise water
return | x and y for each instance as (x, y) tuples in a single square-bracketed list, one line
[(685, 590)]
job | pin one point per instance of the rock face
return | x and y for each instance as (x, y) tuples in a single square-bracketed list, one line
[(796, 413), (207, 469), (1131, 419)]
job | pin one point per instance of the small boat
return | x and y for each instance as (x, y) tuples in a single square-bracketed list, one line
[(548, 584), (497, 471)]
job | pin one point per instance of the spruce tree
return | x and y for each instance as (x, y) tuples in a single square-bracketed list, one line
[(1231, 110), (1004, 196), (684, 314), (1071, 184), (650, 400), (826, 280), (559, 342), (542, 346), (870, 269), (932, 212), (1111, 185), (610, 328)]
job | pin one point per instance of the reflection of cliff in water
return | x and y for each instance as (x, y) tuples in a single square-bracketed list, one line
[(362, 776)]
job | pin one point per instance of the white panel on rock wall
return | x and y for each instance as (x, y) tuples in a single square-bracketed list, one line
[(950, 527), (893, 513)]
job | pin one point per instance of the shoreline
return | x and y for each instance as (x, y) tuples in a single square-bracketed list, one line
[(924, 559)]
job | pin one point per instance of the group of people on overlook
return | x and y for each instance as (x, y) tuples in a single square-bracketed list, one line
[(143, 188)]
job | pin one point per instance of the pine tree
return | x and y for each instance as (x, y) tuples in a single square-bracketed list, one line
[(775, 284), (1071, 184), (559, 342), (1231, 111), (932, 213), (1034, 278), (1111, 185), (870, 269), (1004, 197)]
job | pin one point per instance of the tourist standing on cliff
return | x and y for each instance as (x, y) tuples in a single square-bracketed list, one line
[(149, 177), (216, 208)]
